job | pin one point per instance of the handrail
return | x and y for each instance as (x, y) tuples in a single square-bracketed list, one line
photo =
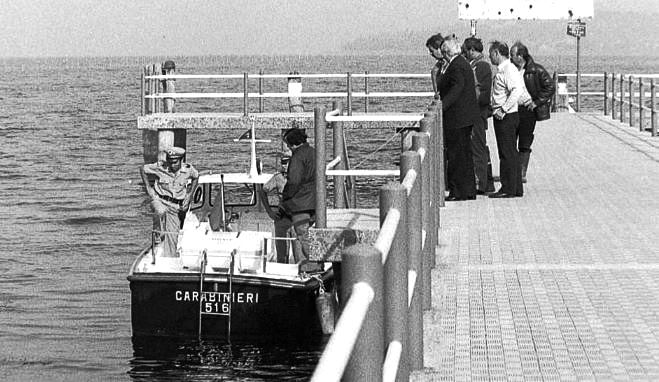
[(406, 229), (286, 95), (337, 351), (626, 97)]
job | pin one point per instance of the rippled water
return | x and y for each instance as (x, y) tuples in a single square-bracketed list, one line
[(74, 215)]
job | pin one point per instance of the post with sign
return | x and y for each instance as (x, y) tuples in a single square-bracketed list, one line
[(578, 30)]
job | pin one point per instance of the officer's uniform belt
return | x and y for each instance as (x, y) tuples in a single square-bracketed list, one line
[(170, 199)]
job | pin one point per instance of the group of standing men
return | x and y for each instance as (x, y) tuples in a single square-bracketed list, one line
[(516, 94)]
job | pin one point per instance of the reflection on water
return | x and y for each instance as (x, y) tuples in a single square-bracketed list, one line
[(194, 360)]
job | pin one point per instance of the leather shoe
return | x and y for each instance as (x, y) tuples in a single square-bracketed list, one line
[(451, 198), (501, 194)]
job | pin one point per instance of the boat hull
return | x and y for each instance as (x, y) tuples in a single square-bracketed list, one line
[(169, 305)]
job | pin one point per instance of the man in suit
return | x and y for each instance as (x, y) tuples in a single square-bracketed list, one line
[(473, 51), (457, 90)]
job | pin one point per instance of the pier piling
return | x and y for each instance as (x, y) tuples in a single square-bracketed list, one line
[(393, 196), (363, 263), (410, 161)]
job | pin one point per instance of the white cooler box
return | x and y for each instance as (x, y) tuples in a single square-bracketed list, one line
[(219, 245)]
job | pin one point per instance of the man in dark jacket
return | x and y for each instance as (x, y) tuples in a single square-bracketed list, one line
[(457, 90), (473, 51), (540, 87), (434, 44), (298, 199)]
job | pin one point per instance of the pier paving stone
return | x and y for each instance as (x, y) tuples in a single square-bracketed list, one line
[(562, 284)]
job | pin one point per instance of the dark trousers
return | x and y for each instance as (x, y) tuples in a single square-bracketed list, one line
[(461, 181), (525, 129), (481, 155), (510, 171), (300, 222)]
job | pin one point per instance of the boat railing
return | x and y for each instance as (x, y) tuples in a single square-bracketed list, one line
[(345, 85), (387, 284), (628, 97)]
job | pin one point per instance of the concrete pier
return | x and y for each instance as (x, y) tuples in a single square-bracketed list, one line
[(562, 284)]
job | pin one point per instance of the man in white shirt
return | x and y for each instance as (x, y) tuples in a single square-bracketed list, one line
[(506, 90)]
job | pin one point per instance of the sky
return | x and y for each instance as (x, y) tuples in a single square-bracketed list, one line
[(38, 28)]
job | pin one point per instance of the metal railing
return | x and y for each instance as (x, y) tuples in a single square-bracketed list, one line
[(151, 89), (386, 286), (624, 96)]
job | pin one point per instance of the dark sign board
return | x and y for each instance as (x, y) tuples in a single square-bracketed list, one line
[(576, 29)]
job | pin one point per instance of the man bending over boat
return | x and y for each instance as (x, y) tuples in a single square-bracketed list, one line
[(169, 194), (298, 199)]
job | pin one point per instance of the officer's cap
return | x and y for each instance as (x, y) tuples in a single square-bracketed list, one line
[(174, 153)]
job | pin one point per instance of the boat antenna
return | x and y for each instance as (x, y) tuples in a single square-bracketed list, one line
[(253, 170), (223, 215)]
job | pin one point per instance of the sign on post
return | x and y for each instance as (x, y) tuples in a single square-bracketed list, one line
[(524, 9), (576, 29)]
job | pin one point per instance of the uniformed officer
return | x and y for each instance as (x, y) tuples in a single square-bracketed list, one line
[(169, 194)]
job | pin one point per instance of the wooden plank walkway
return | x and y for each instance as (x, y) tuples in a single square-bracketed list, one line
[(562, 284)]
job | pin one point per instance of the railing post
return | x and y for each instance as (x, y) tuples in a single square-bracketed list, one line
[(245, 94), (622, 98), (420, 143), (142, 91), (156, 89), (394, 195), (363, 263), (613, 96), (366, 91), (554, 97), (410, 160), (606, 95), (320, 125), (152, 91), (640, 103), (631, 100), (427, 126), (260, 90), (339, 151), (441, 175), (349, 92), (653, 111)]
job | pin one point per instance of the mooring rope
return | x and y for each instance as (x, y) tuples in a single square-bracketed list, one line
[(396, 133)]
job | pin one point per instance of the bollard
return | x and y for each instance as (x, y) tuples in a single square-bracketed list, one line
[(420, 142), (339, 151), (295, 104), (640, 104), (168, 86), (394, 195), (410, 160), (363, 263), (320, 125)]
